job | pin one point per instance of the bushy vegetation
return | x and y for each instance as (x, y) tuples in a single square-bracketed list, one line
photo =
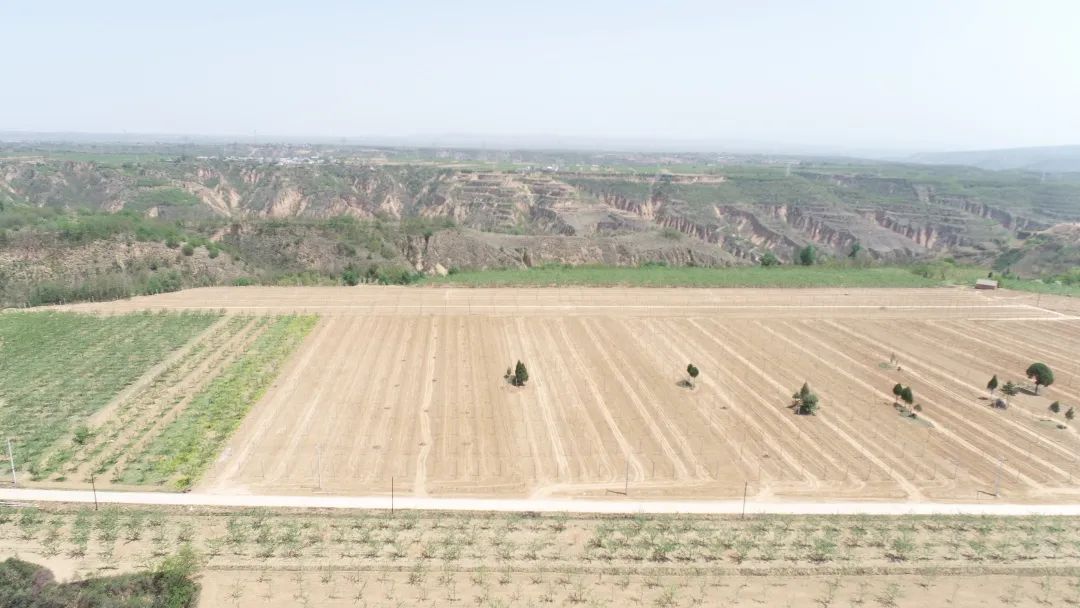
[(162, 197), (47, 228), (171, 585), (108, 286), (1010, 389), (56, 369), (84, 226), (182, 450)]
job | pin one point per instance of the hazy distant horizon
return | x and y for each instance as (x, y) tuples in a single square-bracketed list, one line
[(458, 140), (835, 77), (501, 143)]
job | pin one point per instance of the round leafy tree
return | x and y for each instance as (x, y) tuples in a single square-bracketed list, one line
[(1041, 374)]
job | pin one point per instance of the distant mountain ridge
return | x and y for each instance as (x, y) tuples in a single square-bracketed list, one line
[(1051, 159)]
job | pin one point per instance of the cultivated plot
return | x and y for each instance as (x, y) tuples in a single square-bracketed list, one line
[(391, 395)]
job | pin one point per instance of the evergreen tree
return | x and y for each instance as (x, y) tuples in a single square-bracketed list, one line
[(992, 385), (1055, 407), (806, 402), (521, 375), (907, 395)]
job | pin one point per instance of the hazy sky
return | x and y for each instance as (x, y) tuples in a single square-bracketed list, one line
[(892, 75)]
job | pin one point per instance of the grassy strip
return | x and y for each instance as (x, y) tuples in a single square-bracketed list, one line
[(187, 445), (57, 369), (1037, 286), (826, 275), (666, 276)]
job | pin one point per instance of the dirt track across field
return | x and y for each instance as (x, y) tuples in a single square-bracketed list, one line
[(404, 386)]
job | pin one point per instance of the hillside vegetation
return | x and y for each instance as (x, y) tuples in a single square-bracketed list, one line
[(24, 584), (86, 225)]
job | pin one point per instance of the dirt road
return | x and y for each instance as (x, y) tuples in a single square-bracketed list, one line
[(548, 505)]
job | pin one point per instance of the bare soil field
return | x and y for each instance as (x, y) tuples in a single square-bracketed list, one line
[(404, 387)]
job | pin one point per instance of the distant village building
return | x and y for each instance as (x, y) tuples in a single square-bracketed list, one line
[(986, 284)]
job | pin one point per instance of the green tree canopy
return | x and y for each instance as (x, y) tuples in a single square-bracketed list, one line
[(521, 375), (1041, 374), (992, 384), (807, 255), (806, 402)]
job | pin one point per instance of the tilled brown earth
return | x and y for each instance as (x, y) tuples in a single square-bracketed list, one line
[(402, 389)]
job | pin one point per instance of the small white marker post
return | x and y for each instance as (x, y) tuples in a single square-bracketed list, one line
[(11, 459)]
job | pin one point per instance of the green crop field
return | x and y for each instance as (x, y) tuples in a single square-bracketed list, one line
[(56, 369), (183, 449)]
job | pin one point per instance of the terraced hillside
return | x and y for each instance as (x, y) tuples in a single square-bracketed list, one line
[(721, 214)]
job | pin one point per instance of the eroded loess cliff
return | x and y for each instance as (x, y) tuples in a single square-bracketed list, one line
[(571, 218)]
